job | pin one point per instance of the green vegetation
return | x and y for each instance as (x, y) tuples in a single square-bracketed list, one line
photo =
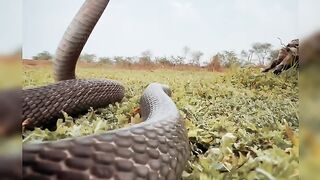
[(45, 55), (241, 124)]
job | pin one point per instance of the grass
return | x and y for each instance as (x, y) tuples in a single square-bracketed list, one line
[(241, 124)]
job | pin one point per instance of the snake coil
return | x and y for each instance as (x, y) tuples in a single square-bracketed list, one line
[(157, 148)]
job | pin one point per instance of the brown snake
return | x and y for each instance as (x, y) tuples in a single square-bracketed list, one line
[(157, 148)]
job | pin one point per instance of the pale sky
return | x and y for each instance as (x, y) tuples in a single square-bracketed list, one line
[(129, 27), (11, 25)]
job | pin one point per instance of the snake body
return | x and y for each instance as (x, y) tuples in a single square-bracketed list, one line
[(42, 105), (157, 148)]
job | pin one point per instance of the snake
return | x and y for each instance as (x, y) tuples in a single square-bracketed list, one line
[(156, 148)]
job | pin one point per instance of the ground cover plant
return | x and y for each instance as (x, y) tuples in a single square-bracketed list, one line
[(241, 124)]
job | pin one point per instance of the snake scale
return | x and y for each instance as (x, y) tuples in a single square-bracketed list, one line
[(157, 148)]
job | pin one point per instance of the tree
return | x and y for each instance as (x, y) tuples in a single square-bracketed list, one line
[(45, 55), (123, 61), (273, 55), (163, 61), (261, 50), (215, 63), (247, 56), (196, 56), (185, 51), (129, 60), (145, 58), (229, 59), (119, 60), (178, 60), (88, 57), (105, 60)]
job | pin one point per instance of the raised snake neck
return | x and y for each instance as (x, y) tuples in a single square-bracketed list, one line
[(157, 148)]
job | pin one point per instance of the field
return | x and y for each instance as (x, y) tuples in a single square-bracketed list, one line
[(241, 124)]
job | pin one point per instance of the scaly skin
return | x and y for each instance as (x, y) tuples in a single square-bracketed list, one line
[(42, 106), (157, 148)]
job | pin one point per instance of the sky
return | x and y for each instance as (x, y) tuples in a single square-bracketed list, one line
[(164, 27), (11, 25)]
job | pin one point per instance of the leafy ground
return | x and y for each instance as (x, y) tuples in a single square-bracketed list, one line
[(241, 124)]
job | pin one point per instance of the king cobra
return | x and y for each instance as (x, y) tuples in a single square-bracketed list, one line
[(157, 148)]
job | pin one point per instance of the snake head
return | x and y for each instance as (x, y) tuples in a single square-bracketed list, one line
[(166, 89), (163, 87)]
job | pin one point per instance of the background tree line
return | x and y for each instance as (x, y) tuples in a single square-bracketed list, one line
[(258, 55)]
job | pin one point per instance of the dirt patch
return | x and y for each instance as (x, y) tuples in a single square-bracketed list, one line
[(15, 58), (35, 63)]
